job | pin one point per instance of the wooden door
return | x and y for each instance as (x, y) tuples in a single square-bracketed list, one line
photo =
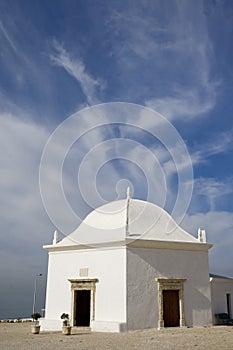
[(82, 308), (171, 310)]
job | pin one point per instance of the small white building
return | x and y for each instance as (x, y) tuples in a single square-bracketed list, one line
[(129, 266), (221, 295)]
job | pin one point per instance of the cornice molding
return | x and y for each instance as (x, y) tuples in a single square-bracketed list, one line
[(133, 243)]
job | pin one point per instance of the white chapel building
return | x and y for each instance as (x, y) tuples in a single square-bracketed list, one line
[(129, 266)]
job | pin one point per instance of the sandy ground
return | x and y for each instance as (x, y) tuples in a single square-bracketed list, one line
[(18, 336)]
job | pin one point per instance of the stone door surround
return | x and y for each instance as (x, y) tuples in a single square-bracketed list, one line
[(83, 284), (170, 284)]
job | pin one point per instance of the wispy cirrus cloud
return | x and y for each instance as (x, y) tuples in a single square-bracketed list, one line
[(221, 143), (212, 189), (76, 68), (6, 35), (175, 52), (183, 104)]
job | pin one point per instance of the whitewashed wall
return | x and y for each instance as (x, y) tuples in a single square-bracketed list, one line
[(108, 266), (145, 264), (126, 294)]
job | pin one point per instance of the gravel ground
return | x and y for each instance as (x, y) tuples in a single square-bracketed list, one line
[(18, 336)]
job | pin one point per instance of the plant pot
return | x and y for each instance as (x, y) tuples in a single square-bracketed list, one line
[(35, 329), (66, 330)]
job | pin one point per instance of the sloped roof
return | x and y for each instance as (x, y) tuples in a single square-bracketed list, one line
[(220, 277), (127, 220)]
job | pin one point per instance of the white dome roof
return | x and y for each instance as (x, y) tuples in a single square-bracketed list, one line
[(124, 219)]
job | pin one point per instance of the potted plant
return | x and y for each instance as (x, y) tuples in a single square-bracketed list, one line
[(66, 328), (35, 328)]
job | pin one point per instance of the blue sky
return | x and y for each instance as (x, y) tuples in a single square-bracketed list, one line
[(58, 57)]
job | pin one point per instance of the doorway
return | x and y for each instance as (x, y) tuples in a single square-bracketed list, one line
[(228, 296), (171, 309), (82, 309)]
